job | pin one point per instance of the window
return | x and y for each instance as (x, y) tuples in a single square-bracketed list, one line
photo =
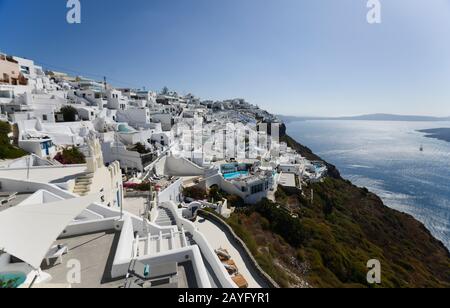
[(44, 117), (257, 189), (25, 70), (5, 94)]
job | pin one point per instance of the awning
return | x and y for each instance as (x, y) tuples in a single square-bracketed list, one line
[(28, 231)]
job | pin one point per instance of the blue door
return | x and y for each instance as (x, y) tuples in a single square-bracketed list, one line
[(47, 148)]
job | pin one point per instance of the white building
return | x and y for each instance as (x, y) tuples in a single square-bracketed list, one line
[(116, 100), (135, 117), (166, 120)]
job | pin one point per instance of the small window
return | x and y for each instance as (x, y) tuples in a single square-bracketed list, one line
[(44, 117)]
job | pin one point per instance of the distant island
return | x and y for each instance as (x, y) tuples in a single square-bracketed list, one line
[(437, 133), (370, 117)]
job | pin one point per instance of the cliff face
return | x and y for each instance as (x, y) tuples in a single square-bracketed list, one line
[(327, 242)]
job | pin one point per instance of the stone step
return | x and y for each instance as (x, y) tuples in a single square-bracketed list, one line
[(87, 181), (82, 186)]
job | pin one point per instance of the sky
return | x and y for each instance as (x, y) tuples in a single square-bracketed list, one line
[(291, 57)]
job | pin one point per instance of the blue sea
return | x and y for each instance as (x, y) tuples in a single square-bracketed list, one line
[(386, 158)]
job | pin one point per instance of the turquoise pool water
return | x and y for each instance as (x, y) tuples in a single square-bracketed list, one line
[(18, 278), (124, 129), (235, 175)]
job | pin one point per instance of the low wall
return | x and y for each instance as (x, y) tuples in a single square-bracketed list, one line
[(4, 260), (40, 197), (124, 249), (182, 167), (262, 274), (31, 187), (91, 226), (88, 215)]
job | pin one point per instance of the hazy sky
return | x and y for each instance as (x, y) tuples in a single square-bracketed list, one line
[(297, 57)]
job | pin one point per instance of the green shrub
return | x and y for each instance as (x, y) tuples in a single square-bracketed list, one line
[(235, 201), (69, 113), (214, 194), (71, 156), (195, 193)]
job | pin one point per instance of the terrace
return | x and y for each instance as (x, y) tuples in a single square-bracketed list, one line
[(95, 252), (11, 199)]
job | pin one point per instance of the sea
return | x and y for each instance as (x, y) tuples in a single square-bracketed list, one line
[(409, 171)]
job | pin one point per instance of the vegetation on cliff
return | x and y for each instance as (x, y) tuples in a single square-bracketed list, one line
[(327, 242)]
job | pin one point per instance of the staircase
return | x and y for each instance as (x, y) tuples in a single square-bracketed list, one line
[(150, 245), (165, 218), (83, 184), (190, 239), (169, 238)]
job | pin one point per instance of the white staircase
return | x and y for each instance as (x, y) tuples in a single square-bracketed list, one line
[(169, 239), (165, 218), (83, 184), (149, 245)]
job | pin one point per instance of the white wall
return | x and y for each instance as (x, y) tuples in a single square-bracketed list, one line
[(164, 118), (136, 117), (171, 193), (92, 226), (118, 152), (182, 167), (4, 260), (31, 187), (41, 197)]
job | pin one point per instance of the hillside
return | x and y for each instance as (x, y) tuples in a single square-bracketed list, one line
[(332, 239)]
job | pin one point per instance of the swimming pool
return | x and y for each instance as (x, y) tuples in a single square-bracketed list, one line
[(235, 175), (15, 278), (124, 129)]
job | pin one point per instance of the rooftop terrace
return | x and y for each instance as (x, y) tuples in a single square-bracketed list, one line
[(95, 253), (10, 199)]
